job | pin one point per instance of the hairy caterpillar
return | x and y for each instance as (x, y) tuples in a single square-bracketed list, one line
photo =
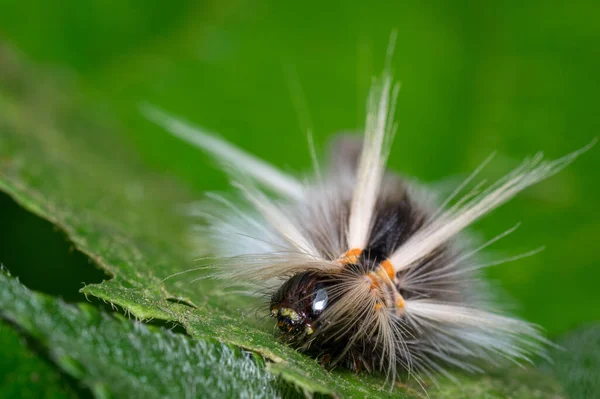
[(364, 268)]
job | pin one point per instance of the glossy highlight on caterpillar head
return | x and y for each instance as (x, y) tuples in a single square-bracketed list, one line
[(364, 269)]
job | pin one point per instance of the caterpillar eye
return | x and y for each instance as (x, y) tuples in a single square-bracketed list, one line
[(320, 301)]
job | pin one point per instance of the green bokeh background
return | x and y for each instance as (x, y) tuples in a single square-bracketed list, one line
[(513, 77)]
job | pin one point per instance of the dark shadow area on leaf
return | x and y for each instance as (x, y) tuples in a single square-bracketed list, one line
[(168, 325), (119, 312), (41, 256), (181, 302)]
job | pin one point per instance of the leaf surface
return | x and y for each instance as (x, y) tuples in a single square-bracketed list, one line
[(116, 357)]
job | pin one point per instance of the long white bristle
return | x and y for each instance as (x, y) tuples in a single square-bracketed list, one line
[(446, 226), (276, 217), (378, 133), (225, 152)]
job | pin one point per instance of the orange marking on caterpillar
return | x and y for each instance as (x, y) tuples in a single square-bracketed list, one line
[(400, 302), (389, 269), (378, 306), (351, 256)]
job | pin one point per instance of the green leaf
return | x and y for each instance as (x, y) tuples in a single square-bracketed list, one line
[(577, 362), (23, 374), (115, 357), (72, 167)]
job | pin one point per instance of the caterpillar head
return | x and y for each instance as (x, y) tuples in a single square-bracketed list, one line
[(297, 305)]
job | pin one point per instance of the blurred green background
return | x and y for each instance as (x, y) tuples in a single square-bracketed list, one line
[(513, 77)]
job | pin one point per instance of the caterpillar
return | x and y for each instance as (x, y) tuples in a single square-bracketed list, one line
[(365, 268)]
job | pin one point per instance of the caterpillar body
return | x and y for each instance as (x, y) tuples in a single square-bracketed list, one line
[(364, 268)]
